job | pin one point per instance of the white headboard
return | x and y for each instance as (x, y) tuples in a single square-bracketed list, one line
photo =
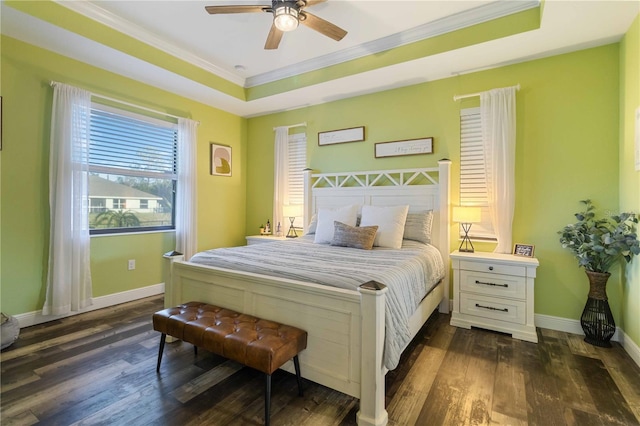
[(422, 189)]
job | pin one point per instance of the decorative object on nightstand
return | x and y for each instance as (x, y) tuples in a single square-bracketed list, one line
[(598, 244), (466, 216), (292, 211), (494, 291)]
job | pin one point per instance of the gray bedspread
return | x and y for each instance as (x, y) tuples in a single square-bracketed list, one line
[(409, 273)]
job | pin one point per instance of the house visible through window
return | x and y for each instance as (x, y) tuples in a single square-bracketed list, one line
[(473, 180), (132, 165)]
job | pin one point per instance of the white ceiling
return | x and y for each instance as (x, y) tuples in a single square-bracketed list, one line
[(218, 43)]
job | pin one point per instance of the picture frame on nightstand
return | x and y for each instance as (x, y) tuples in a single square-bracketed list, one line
[(525, 250)]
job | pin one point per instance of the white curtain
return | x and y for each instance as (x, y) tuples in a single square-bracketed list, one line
[(69, 272), (281, 177), (186, 198), (498, 115)]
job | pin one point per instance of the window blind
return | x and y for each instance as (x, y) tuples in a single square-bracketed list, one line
[(297, 163), (133, 147), (473, 179)]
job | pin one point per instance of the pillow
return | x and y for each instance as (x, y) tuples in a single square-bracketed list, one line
[(326, 217), (360, 237), (313, 225), (418, 226), (390, 221)]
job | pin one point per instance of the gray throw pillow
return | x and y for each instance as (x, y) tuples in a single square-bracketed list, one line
[(418, 227), (360, 237)]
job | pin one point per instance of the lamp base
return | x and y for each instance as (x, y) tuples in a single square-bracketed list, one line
[(292, 231), (466, 246)]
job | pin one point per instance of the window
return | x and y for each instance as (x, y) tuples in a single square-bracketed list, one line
[(297, 163), (473, 181), (132, 165)]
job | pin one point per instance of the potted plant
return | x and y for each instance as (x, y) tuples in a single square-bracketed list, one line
[(598, 244)]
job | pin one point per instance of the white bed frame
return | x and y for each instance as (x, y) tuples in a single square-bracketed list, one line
[(345, 328)]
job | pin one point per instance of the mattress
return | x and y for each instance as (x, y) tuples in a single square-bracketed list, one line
[(409, 274)]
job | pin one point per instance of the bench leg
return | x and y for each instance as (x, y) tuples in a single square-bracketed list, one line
[(267, 399), (163, 338), (296, 363)]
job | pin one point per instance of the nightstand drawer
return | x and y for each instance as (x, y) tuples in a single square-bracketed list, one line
[(492, 268), (513, 311), (493, 284)]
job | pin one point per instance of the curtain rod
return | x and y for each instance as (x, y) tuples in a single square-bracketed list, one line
[(95, 95), (303, 124), (471, 95)]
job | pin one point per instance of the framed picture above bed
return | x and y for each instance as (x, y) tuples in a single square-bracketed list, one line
[(406, 147), (354, 134), (220, 160)]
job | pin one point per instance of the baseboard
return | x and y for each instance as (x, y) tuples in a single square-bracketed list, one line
[(33, 318), (630, 346)]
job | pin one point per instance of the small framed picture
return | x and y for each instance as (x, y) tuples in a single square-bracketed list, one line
[(220, 160), (525, 250)]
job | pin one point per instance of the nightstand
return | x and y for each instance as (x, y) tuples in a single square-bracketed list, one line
[(258, 239), (494, 291)]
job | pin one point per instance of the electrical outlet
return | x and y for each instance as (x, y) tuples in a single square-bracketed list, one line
[(132, 264)]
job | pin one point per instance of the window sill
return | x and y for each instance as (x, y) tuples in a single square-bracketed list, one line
[(118, 234)]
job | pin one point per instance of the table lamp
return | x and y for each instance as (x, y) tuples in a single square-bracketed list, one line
[(466, 216), (292, 211)]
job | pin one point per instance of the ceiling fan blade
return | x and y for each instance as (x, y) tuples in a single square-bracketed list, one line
[(273, 39), (313, 2), (322, 26), (214, 10)]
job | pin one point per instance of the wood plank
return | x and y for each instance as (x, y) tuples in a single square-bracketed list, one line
[(607, 397), (9, 355), (201, 383), (544, 407), (408, 401), (509, 400), (444, 402)]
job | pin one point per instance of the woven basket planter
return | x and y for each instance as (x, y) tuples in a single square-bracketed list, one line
[(596, 320)]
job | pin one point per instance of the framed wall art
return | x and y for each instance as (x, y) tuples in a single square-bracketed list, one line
[(354, 134), (525, 250), (220, 160), (406, 147)]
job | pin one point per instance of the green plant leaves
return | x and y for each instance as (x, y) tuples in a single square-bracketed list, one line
[(599, 243)]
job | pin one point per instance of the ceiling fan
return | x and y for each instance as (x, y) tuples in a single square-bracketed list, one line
[(286, 17)]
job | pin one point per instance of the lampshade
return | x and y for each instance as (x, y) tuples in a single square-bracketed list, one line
[(285, 18), (464, 214), (292, 210)]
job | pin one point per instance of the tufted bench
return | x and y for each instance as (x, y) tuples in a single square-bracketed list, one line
[(260, 344)]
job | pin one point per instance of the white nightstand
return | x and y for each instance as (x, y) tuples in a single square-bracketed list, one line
[(258, 239), (494, 291)]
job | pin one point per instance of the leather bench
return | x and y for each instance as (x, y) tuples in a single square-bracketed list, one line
[(257, 343)]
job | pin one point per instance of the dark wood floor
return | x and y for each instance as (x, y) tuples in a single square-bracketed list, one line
[(99, 368)]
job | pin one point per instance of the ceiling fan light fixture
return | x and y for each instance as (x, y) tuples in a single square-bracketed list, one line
[(286, 18)]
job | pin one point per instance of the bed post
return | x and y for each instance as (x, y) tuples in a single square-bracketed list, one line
[(372, 387), (170, 292), (308, 200), (445, 227)]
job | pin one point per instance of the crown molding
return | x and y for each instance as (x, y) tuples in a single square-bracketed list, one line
[(440, 26), (124, 26)]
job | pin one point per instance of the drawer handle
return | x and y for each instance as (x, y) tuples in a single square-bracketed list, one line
[(491, 268), (491, 308), (493, 284)]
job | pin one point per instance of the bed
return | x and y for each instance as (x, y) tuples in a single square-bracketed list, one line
[(346, 324)]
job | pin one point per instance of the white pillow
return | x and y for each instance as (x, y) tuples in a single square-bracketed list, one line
[(324, 231), (390, 221)]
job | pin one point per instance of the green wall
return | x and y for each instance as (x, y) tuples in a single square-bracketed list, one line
[(629, 177), (27, 97), (567, 150)]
